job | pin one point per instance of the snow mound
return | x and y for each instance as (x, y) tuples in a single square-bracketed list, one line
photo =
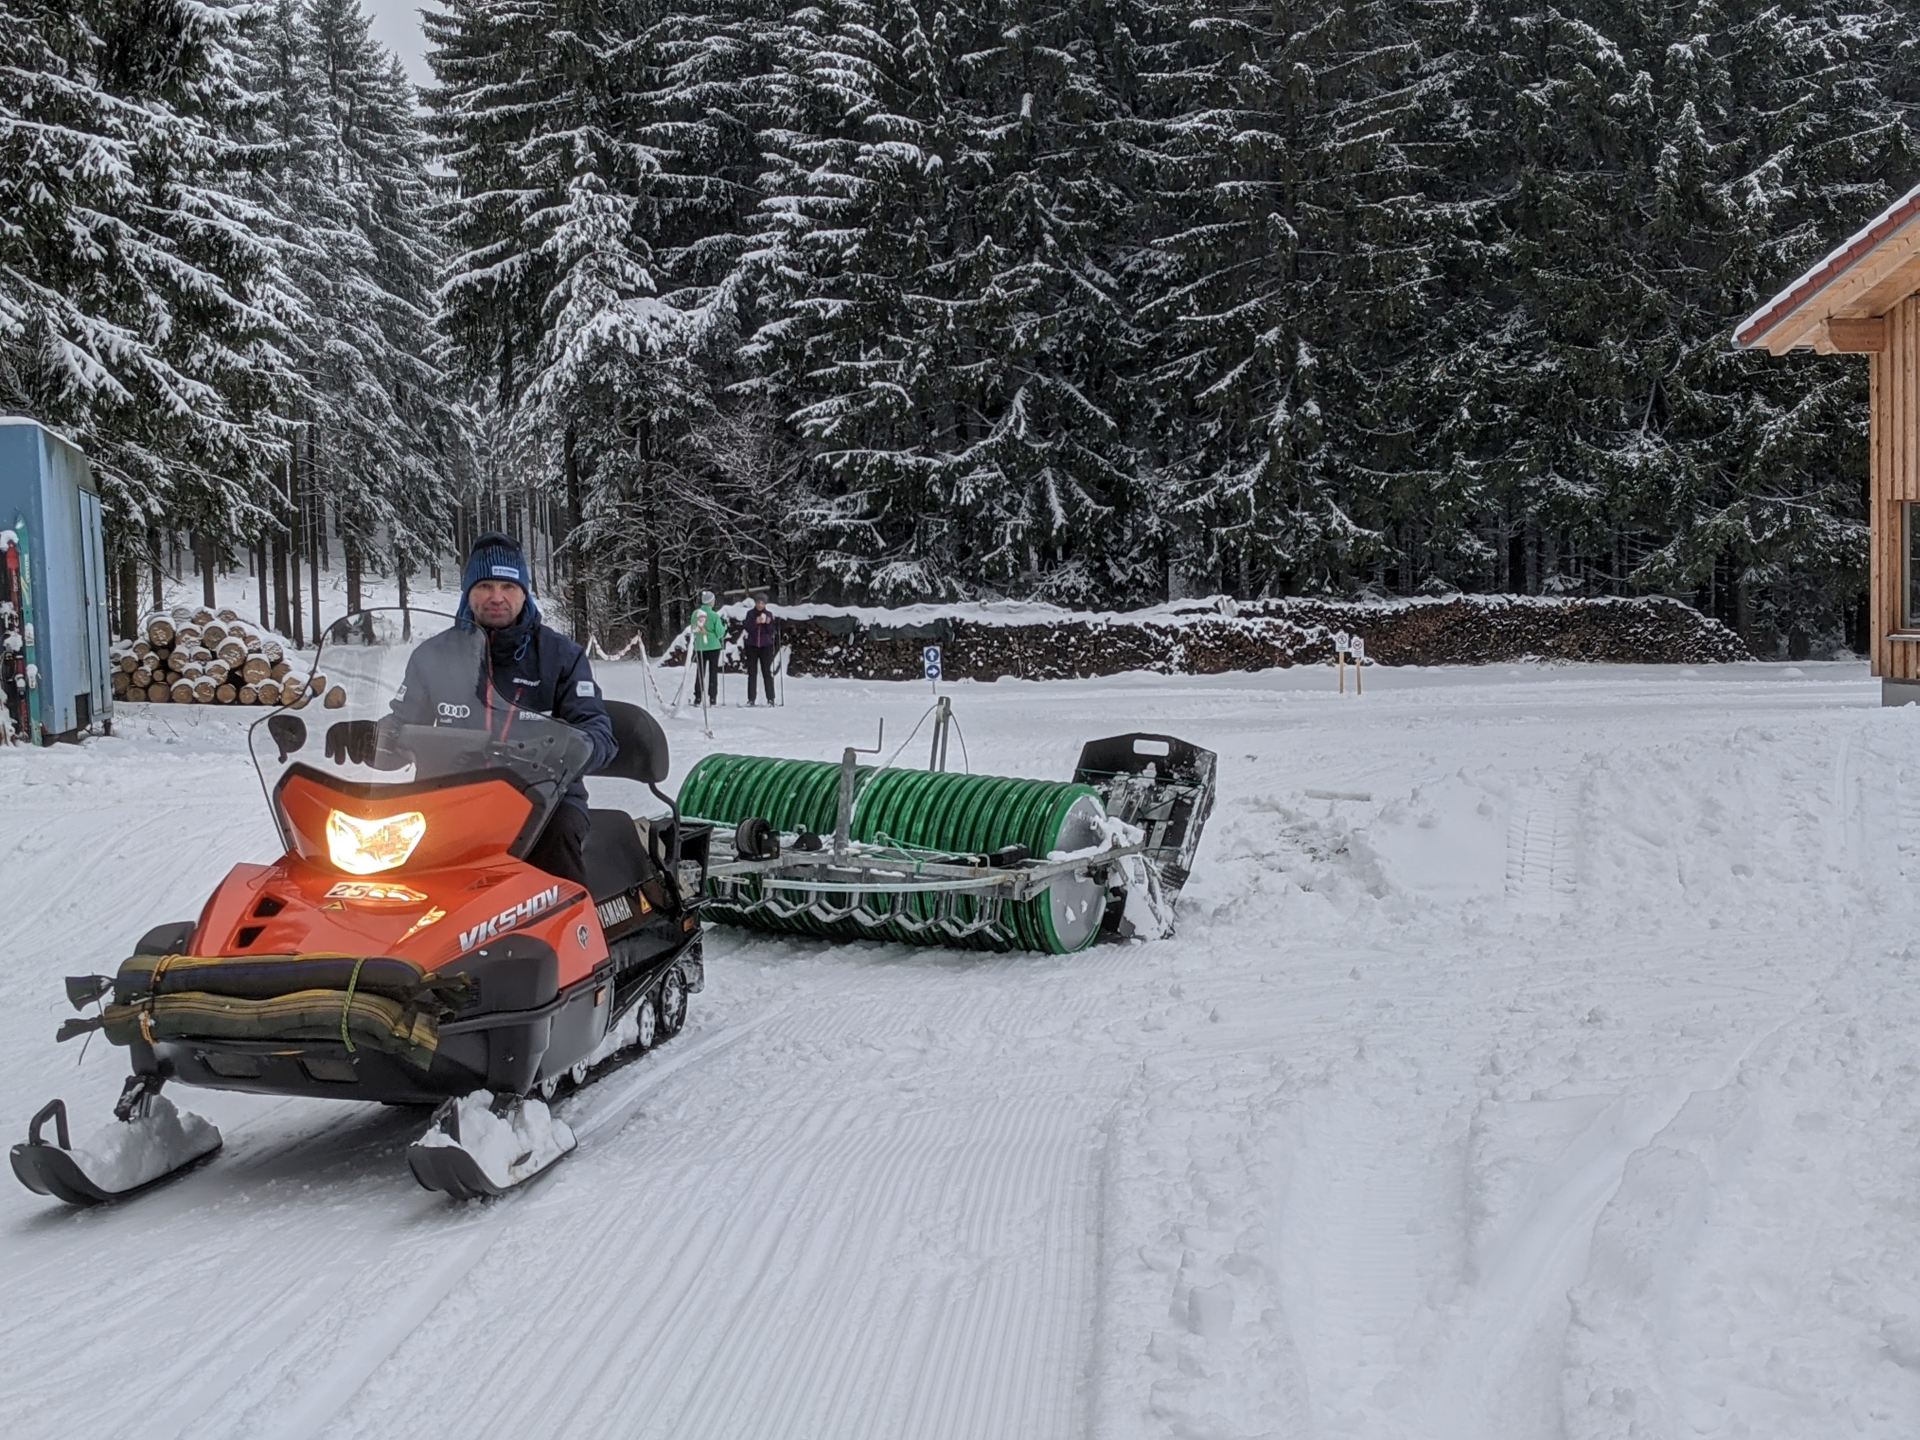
[(509, 1150), (125, 1156)]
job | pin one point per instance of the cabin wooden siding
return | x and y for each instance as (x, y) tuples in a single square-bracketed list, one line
[(1864, 299), (1895, 442)]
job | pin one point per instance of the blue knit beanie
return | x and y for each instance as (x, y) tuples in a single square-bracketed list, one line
[(496, 557)]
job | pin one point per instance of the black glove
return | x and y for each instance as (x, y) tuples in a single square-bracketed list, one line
[(353, 741)]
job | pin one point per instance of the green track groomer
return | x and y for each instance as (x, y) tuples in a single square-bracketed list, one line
[(925, 857)]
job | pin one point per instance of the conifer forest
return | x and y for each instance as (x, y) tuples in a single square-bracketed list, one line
[(1099, 302)]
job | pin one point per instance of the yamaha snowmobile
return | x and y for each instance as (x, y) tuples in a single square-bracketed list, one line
[(401, 949)]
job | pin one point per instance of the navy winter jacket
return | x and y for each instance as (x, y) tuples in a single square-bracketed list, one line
[(532, 667), (763, 630)]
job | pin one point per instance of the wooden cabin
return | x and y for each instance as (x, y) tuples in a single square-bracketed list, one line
[(1864, 299)]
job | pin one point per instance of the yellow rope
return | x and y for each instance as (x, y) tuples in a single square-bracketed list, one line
[(346, 1005)]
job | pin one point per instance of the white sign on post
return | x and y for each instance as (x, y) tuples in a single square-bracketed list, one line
[(1341, 640), (930, 662), (1359, 659), (1359, 649)]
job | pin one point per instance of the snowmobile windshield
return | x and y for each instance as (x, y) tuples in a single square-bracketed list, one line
[(399, 702)]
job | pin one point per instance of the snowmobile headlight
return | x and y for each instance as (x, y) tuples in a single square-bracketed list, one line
[(366, 847)]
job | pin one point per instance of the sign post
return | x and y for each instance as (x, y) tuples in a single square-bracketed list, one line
[(1341, 640), (1359, 659), (930, 663)]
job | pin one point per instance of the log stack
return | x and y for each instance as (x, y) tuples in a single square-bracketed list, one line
[(1209, 637), (213, 657)]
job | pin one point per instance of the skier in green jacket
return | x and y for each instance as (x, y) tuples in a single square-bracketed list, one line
[(709, 631)]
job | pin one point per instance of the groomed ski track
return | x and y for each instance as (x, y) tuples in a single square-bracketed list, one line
[(1552, 1078)]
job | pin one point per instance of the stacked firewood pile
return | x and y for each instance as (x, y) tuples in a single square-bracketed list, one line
[(213, 657), (1209, 638), (1493, 629), (1062, 650)]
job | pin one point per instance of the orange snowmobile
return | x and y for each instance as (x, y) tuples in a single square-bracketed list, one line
[(401, 949)]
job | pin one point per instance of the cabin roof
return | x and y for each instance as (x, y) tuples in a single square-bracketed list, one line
[(1863, 277)]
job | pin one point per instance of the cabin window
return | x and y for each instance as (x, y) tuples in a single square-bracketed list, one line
[(1910, 563)]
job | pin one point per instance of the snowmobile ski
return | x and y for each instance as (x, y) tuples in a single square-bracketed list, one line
[(154, 1144), (476, 1148)]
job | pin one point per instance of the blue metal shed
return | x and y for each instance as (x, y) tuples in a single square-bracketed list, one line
[(47, 497)]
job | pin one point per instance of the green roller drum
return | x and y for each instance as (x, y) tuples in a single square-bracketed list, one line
[(790, 794), (933, 813)]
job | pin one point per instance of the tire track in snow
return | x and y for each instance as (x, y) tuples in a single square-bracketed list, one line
[(125, 844), (937, 1008), (828, 1380), (1499, 1370), (1542, 846), (1198, 1337), (1031, 1169), (1889, 807), (1500, 1365)]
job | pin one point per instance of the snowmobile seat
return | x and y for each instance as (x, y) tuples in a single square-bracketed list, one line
[(642, 757), (642, 752), (616, 856)]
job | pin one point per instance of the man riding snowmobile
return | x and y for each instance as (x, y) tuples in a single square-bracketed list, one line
[(529, 667), (405, 945)]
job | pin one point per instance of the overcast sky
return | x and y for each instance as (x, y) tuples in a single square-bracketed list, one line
[(396, 25)]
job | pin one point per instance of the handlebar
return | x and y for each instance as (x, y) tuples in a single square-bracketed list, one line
[(550, 745)]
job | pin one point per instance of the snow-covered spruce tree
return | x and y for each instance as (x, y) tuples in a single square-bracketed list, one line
[(501, 93), (1540, 213), (489, 100), (341, 166), (603, 156), (410, 256), (1052, 478), (857, 344), (1296, 275), (943, 321), (141, 303), (386, 421), (1776, 134), (311, 225), (1649, 175), (678, 479)]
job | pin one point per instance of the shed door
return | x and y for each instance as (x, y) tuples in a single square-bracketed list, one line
[(93, 561)]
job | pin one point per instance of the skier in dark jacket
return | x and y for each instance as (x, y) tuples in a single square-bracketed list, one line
[(528, 666), (759, 645)]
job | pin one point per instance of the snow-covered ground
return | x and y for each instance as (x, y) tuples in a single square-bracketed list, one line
[(1537, 1058)]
